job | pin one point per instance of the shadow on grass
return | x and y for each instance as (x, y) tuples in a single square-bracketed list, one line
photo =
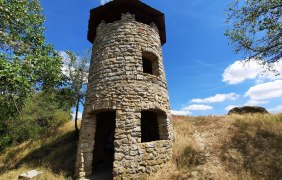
[(255, 149), (58, 156)]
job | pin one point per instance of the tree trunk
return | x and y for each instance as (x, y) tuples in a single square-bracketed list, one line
[(76, 116)]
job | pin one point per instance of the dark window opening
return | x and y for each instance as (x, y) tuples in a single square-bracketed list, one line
[(103, 154), (149, 126), (147, 66)]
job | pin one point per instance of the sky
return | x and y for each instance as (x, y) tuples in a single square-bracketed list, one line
[(204, 75)]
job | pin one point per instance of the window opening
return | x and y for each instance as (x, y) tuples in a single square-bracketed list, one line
[(149, 126), (147, 66)]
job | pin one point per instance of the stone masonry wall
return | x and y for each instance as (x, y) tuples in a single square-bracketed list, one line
[(117, 82)]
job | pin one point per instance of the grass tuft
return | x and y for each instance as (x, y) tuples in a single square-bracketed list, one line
[(189, 158)]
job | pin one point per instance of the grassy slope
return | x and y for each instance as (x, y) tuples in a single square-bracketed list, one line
[(227, 147), (54, 155)]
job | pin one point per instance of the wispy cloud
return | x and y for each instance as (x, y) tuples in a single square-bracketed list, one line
[(180, 113), (217, 98), (197, 107), (104, 1), (240, 71), (277, 109), (255, 102), (187, 110)]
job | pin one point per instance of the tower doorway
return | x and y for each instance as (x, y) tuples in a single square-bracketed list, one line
[(103, 154)]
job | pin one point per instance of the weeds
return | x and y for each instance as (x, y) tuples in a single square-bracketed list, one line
[(189, 158)]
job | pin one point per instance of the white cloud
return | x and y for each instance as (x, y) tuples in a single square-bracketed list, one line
[(228, 108), (255, 102), (187, 110), (253, 69), (197, 107), (217, 98), (66, 70), (79, 115), (265, 91), (105, 1), (64, 56), (65, 59), (180, 113), (277, 109)]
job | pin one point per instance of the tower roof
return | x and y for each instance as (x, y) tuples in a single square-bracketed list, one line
[(112, 11)]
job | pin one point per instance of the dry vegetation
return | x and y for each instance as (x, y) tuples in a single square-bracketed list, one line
[(227, 147), (54, 155), (212, 147)]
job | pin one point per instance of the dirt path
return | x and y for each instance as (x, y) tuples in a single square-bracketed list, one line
[(208, 137)]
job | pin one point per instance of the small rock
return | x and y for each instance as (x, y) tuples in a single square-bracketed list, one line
[(30, 174)]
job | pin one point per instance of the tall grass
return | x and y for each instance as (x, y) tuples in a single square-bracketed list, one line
[(54, 154), (255, 149), (251, 149), (184, 152)]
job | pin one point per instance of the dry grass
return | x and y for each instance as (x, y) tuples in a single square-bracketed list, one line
[(255, 148), (54, 154), (212, 147), (185, 151), (47, 174), (226, 147)]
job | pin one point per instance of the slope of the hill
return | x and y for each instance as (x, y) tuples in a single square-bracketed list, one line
[(227, 147), (212, 147), (54, 155)]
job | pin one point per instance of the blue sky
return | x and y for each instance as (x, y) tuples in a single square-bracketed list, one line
[(204, 76)]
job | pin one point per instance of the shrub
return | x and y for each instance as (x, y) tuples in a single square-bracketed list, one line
[(188, 158), (41, 113)]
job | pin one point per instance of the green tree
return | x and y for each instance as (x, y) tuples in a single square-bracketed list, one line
[(255, 28), (76, 70), (27, 63)]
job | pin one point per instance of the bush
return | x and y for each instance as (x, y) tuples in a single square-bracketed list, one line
[(41, 113), (60, 117)]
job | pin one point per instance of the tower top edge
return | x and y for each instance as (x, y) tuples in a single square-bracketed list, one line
[(112, 11)]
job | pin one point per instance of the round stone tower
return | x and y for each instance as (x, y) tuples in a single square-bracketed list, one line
[(126, 128)]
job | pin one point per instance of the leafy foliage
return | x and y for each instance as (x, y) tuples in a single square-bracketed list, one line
[(27, 64), (255, 28), (41, 113)]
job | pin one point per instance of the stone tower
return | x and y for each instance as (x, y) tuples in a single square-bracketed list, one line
[(126, 128)]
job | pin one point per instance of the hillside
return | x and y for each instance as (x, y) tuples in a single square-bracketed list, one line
[(226, 147), (211, 147)]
